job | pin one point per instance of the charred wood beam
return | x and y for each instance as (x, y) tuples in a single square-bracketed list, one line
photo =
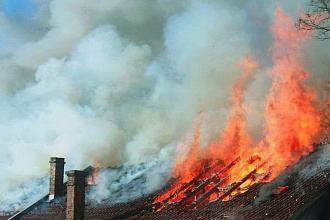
[(229, 166), (252, 159), (266, 177), (232, 189), (209, 192), (196, 190), (224, 189), (212, 178), (157, 206), (239, 183), (193, 181), (236, 185)]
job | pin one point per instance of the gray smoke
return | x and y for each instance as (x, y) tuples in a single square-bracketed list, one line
[(128, 182), (306, 168), (120, 82)]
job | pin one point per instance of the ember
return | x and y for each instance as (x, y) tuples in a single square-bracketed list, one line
[(281, 188), (93, 178), (234, 162)]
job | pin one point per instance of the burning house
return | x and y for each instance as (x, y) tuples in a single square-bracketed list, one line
[(174, 118), (301, 191)]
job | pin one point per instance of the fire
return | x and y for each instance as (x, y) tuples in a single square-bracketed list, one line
[(281, 188), (93, 178), (234, 162), (291, 119)]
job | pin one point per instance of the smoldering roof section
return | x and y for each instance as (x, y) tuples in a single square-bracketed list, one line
[(116, 82)]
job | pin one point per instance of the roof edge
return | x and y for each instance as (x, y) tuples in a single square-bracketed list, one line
[(29, 208), (40, 201)]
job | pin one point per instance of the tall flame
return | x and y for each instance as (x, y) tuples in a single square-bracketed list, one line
[(291, 123), (291, 119)]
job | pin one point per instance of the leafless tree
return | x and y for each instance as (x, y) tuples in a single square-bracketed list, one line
[(316, 18)]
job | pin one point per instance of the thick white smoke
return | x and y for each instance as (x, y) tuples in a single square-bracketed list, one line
[(118, 82), (128, 182)]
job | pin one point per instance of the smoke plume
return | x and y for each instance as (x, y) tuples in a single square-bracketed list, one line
[(120, 83)]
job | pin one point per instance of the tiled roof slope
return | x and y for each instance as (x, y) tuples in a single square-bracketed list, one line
[(56, 210), (4, 217), (306, 184)]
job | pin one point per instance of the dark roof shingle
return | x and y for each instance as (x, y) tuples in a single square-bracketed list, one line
[(259, 202)]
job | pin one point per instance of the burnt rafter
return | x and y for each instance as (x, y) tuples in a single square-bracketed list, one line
[(194, 180), (238, 184), (197, 191), (215, 189), (214, 178), (209, 192)]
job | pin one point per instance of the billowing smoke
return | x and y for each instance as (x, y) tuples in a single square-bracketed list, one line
[(128, 182), (120, 82)]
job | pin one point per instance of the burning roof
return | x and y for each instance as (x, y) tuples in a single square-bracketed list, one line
[(296, 192), (221, 170)]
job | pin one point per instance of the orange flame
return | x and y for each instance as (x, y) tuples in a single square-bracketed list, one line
[(281, 188), (93, 178), (291, 119), (291, 124)]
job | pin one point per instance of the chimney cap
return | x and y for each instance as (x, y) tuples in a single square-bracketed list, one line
[(56, 159), (76, 173)]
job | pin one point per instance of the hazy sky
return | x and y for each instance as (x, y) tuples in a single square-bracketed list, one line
[(121, 81)]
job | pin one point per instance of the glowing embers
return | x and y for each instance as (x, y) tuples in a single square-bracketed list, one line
[(210, 186), (281, 188), (292, 122), (92, 179)]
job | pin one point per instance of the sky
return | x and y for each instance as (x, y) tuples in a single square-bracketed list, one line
[(122, 82), (18, 9)]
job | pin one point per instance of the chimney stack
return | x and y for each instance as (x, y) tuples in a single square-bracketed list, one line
[(56, 177), (75, 194)]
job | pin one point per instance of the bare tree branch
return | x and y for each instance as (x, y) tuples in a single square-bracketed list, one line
[(317, 18)]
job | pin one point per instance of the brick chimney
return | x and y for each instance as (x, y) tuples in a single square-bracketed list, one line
[(56, 177), (75, 194)]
